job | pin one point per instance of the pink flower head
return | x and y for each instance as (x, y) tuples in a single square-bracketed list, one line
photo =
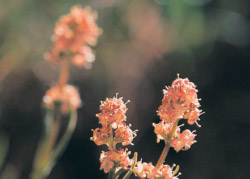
[(192, 115), (120, 158), (162, 130), (114, 130), (183, 141), (168, 173), (76, 29), (85, 57), (112, 112), (184, 91), (178, 100), (147, 170), (101, 136), (106, 163), (124, 134), (72, 35), (67, 95)]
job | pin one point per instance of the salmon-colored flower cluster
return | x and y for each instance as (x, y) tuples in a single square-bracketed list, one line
[(180, 101), (179, 141), (114, 157), (114, 130), (72, 35), (183, 141), (67, 95), (148, 170), (163, 129), (113, 112)]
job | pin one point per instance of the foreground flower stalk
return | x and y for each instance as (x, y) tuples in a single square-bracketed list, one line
[(113, 131), (71, 39), (179, 102), (167, 146)]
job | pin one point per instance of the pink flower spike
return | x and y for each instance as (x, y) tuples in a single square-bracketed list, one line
[(113, 156), (72, 36), (76, 29), (112, 111), (180, 101), (147, 170)]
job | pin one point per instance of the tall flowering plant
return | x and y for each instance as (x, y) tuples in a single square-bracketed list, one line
[(180, 101), (113, 131), (73, 35)]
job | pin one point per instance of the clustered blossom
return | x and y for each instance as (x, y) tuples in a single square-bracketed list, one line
[(124, 134), (183, 141), (114, 157), (148, 170), (180, 101), (114, 130), (72, 36), (67, 95), (163, 129), (113, 112)]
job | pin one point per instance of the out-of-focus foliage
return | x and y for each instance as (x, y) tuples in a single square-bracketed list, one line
[(159, 26)]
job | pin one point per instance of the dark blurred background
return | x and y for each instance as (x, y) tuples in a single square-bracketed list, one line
[(145, 43)]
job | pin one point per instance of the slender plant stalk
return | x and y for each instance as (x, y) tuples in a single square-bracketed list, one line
[(117, 174), (63, 141), (163, 155), (167, 146), (129, 173), (51, 131), (43, 142), (64, 73), (49, 149), (111, 173), (52, 137), (4, 141), (127, 176)]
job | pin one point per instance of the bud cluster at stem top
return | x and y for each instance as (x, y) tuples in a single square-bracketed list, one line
[(180, 101), (72, 36), (114, 130)]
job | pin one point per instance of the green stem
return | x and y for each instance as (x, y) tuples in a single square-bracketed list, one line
[(128, 174), (51, 131), (118, 173), (167, 145), (111, 173), (163, 156), (64, 73), (4, 143), (42, 144), (63, 143)]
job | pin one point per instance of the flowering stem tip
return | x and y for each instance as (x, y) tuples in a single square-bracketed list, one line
[(179, 102)]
